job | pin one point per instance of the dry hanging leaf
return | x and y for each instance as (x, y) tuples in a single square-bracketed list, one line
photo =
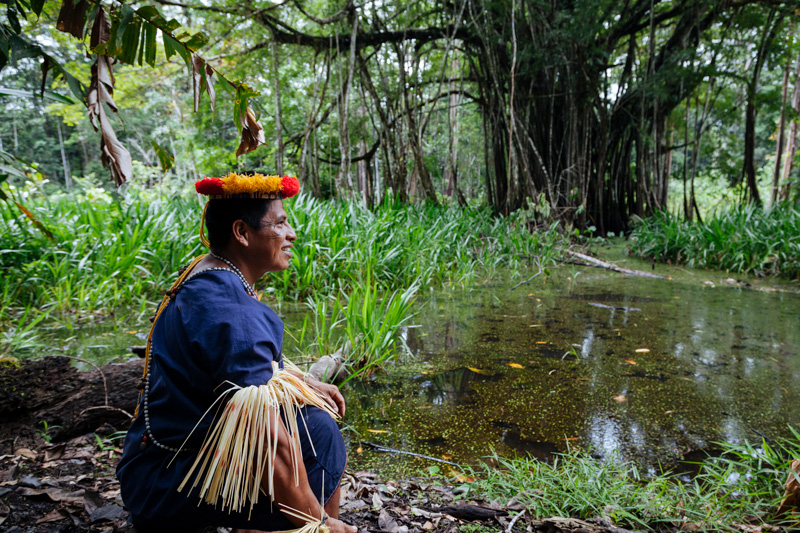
[(202, 80), (212, 95), (515, 365), (114, 156), (630, 361), (478, 371), (198, 79), (620, 398), (377, 431), (642, 350), (252, 133), (101, 29), (71, 17)]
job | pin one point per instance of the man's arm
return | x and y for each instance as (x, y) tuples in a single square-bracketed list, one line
[(297, 496)]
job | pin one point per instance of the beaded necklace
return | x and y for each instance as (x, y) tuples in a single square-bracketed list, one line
[(148, 435), (236, 271)]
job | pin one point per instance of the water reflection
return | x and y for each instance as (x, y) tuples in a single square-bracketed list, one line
[(646, 370)]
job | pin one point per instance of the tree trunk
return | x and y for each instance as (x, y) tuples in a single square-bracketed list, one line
[(278, 125), (451, 170), (343, 176), (415, 134), (751, 112), (791, 144), (776, 174), (687, 211), (64, 161)]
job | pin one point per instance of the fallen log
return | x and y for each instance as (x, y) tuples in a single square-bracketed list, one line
[(593, 261), (472, 512)]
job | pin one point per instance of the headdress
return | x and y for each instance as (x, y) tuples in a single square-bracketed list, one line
[(242, 186), (248, 186)]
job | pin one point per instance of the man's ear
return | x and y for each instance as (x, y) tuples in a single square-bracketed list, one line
[(241, 232)]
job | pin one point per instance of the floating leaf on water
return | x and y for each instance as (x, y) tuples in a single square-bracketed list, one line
[(643, 350), (630, 361), (478, 371), (515, 365), (377, 431), (620, 398)]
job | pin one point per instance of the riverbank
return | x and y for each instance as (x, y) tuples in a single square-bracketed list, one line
[(70, 487), (61, 432)]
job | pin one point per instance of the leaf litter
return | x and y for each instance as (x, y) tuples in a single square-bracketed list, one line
[(75, 490)]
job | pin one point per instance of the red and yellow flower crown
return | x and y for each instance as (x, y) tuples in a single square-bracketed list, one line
[(248, 186), (244, 186)]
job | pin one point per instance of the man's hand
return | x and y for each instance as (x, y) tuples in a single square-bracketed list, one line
[(330, 393)]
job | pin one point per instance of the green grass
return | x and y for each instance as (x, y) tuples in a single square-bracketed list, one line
[(362, 267), (744, 484), (743, 240)]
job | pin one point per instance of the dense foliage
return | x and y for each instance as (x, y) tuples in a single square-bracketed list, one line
[(745, 239), (113, 252), (586, 110)]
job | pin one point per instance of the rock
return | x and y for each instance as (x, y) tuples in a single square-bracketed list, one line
[(330, 368)]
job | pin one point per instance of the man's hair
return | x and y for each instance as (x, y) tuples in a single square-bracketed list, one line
[(222, 213)]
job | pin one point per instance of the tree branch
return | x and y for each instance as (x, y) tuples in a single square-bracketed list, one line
[(285, 34)]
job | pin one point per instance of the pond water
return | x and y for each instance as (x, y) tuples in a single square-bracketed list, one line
[(646, 370)]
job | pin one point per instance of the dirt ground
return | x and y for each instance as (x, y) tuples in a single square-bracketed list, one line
[(70, 487), (60, 440)]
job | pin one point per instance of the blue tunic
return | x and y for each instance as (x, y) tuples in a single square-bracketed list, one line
[(210, 334)]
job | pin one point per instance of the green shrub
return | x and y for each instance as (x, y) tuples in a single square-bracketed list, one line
[(743, 240)]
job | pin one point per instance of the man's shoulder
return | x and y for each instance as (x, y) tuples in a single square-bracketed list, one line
[(221, 294)]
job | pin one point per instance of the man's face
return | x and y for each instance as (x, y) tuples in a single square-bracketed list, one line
[(272, 243)]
